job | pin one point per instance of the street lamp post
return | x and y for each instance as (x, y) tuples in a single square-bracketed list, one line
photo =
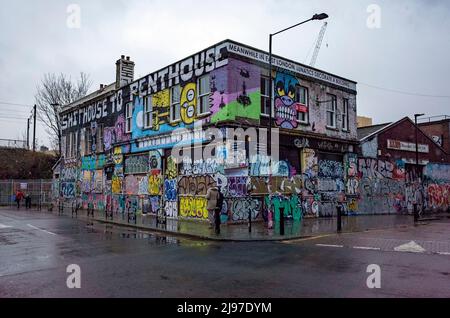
[(320, 16), (416, 214)]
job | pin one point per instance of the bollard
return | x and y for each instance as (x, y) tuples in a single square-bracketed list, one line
[(249, 221), (339, 218), (416, 214), (217, 221), (281, 221)]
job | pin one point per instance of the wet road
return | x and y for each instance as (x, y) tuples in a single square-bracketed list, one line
[(36, 248)]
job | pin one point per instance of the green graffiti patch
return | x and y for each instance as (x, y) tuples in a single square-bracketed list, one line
[(234, 109)]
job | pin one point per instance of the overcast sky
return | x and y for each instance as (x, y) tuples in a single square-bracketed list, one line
[(410, 52)]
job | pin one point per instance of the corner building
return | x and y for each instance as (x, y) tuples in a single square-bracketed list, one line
[(118, 141)]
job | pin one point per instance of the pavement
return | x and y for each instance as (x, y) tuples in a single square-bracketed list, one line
[(307, 227), (36, 249)]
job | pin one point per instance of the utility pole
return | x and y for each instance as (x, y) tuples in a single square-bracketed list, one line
[(416, 212), (28, 133), (34, 128)]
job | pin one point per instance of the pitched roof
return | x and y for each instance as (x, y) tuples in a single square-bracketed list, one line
[(363, 132)]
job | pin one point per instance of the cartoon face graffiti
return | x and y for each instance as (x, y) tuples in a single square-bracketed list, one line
[(285, 106), (188, 103)]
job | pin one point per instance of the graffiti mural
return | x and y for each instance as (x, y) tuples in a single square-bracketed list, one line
[(137, 163), (291, 207), (240, 208), (208, 166), (154, 184), (172, 168), (188, 102), (115, 134), (235, 92), (171, 208), (286, 108), (195, 185), (193, 207)]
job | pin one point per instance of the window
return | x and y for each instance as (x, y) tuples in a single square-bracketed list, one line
[(301, 97), (87, 141), (331, 111), (148, 107), (74, 144), (265, 103), (128, 117), (175, 94), (67, 152), (203, 91), (345, 114), (100, 138)]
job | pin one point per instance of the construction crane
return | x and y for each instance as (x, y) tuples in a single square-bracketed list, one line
[(318, 44)]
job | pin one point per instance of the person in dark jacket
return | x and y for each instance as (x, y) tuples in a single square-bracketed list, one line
[(27, 201)]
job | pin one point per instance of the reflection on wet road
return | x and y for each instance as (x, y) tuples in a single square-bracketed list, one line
[(115, 261)]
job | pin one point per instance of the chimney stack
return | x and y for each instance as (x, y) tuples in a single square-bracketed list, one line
[(124, 71)]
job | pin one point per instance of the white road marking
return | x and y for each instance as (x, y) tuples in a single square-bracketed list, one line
[(329, 245), (443, 253), (411, 247), (3, 226), (36, 228), (367, 248)]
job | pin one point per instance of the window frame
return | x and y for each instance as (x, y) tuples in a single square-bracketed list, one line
[(306, 120), (333, 102), (87, 141), (68, 145), (266, 97), (201, 96), (100, 132), (175, 104), (128, 119), (148, 112), (345, 114)]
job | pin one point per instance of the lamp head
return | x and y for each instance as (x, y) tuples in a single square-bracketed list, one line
[(320, 16)]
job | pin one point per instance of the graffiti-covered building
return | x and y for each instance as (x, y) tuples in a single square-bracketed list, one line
[(390, 179), (139, 144)]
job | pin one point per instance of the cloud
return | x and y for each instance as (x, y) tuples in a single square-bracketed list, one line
[(409, 52)]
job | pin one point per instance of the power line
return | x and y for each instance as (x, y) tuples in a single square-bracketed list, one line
[(404, 92), (15, 104)]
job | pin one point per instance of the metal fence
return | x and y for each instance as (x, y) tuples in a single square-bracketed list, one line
[(13, 143), (41, 191)]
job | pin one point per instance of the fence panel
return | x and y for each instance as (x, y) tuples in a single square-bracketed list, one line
[(40, 191)]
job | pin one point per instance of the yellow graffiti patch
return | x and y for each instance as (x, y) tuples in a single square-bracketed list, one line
[(116, 185), (188, 102), (193, 207), (154, 184)]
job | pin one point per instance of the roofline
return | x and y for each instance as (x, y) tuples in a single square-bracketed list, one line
[(112, 85), (95, 94), (398, 122), (289, 60), (388, 125)]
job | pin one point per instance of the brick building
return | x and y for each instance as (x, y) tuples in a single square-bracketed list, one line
[(387, 172), (438, 129)]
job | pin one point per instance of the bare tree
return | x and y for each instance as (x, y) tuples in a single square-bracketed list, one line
[(54, 92)]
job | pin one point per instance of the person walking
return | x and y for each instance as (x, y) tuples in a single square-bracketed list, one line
[(212, 195), (218, 211), (27, 201), (19, 197)]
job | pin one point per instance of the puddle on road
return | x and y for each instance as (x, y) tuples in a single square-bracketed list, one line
[(111, 232)]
